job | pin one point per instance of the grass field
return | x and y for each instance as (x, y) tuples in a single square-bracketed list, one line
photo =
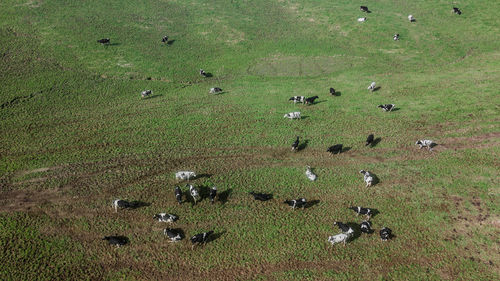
[(76, 135)]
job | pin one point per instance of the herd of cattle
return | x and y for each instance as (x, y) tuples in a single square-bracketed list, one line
[(347, 230)]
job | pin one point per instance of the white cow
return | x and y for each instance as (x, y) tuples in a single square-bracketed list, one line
[(185, 175), (292, 115), (367, 177), (372, 86), (342, 237), (411, 18), (310, 175), (426, 143), (146, 93), (362, 19)]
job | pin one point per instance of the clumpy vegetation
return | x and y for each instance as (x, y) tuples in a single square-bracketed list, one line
[(76, 135)]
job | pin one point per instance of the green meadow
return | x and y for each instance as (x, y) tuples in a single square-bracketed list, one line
[(76, 134)]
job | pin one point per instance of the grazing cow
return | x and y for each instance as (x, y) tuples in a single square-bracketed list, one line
[(178, 194), (332, 91), (387, 107), (369, 139), (411, 18), (362, 211), (261, 196), (361, 19), (385, 234), (311, 100), (103, 41), (200, 238), (292, 115), (295, 144), (366, 227), (213, 193), (367, 177), (215, 90), (335, 149), (164, 217), (426, 143), (297, 99), (396, 37), (146, 93), (203, 73), (457, 11), (122, 204), (173, 234), (372, 86), (116, 240), (342, 237), (343, 227), (364, 9), (298, 203), (310, 175), (194, 193), (185, 175), (164, 39)]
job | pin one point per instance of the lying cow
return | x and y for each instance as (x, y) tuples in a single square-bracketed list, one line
[(292, 115), (185, 175)]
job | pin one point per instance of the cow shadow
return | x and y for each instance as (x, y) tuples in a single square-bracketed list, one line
[(138, 204), (170, 42), (375, 212), (357, 230), (337, 94), (376, 88), (113, 44), (395, 109), (155, 96), (215, 236), (376, 180), (303, 145), (204, 176), (346, 148), (316, 102), (224, 195), (208, 74), (375, 142), (311, 203), (304, 117)]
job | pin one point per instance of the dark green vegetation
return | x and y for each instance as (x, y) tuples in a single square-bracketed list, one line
[(75, 135)]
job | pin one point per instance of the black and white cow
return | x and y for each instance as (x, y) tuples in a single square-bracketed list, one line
[(116, 240), (387, 107), (173, 234), (212, 194), (194, 193), (426, 143), (364, 9), (215, 90), (457, 11), (366, 227), (411, 18), (164, 39), (385, 234), (372, 86), (310, 100), (335, 149), (332, 91), (103, 41), (342, 226), (297, 203), (361, 19), (200, 238), (363, 211), (368, 177), (297, 99), (261, 196), (178, 194), (203, 73), (164, 217), (395, 37), (292, 115), (342, 237), (146, 93), (295, 144), (122, 204)]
